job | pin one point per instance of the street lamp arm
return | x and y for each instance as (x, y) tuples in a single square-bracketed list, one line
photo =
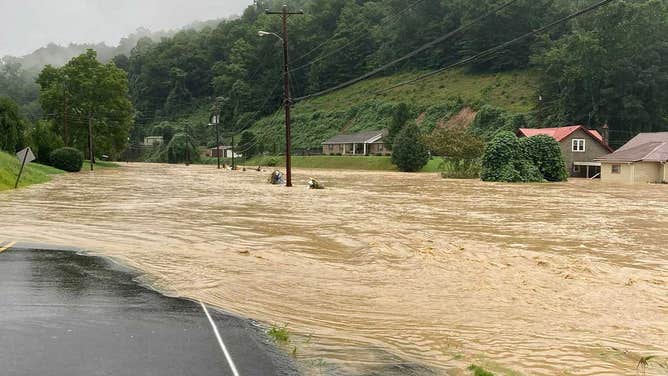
[(265, 33)]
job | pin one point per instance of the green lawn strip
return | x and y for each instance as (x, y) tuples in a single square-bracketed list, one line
[(33, 173), (99, 164), (339, 163)]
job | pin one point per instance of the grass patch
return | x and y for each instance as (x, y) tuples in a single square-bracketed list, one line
[(340, 163), (479, 371), (32, 174), (279, 334), (99, 164), (360, 107)]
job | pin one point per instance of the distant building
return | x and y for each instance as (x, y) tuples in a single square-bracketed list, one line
[(363, 143), (153, 140), (580, 147), (225, 152), (641, 160)]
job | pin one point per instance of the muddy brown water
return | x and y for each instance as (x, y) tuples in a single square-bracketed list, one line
[(387, 273)]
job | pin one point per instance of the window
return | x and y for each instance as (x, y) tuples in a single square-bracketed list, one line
[(616, 169), (330, 147), (579, 145), (576, 169)]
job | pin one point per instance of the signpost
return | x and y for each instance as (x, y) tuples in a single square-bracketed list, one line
[(25, 156)]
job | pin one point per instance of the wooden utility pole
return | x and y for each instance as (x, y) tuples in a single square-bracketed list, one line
[(287, 100), (90, 141)]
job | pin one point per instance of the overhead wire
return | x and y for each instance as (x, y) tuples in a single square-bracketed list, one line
[(501, 46), (330, 53), (410, 54)]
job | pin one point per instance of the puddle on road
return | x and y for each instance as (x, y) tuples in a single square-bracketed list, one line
[(387, 273)]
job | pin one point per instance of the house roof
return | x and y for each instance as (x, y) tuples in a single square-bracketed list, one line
[(645, 147), (357, 138), (562, 133)]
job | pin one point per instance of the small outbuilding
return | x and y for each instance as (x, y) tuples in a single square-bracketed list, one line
[(363, 143), (580, 147), (225, 152), (641, 160)]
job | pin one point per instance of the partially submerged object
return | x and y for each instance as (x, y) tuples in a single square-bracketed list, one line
[(315, 184), (276, 178)]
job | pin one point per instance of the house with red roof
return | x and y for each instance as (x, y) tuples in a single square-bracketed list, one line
[(580, 146)]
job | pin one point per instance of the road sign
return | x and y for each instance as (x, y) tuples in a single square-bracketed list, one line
[(25, 156)]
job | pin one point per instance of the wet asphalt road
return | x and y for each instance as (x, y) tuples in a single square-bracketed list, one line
[(65, 314)]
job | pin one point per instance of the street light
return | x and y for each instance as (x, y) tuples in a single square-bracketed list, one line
[(266, 33)]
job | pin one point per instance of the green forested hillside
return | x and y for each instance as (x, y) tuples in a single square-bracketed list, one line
[(605, 66), (431, 102)]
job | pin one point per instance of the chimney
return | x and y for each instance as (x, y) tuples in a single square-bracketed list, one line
[(606, 134)]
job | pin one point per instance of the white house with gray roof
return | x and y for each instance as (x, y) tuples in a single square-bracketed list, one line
[(362, 143), (642, 160)]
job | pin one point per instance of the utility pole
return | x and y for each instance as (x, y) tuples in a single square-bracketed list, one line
[(187, 145), (90, 141), (234, 164), (287, 100), (65, 126), (216, 122)]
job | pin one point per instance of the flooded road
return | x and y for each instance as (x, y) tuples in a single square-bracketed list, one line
[(387, 273)]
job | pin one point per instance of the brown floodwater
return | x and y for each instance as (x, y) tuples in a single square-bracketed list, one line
[(387, 273)]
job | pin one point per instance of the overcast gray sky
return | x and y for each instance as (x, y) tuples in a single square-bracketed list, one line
[(26, 25)]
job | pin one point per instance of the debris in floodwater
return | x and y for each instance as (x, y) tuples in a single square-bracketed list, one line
[(315, 184), (276, 178)]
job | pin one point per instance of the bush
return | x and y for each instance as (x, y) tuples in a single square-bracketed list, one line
[(545, 153), (409, 154), (272, 162), (67, 159), (505, 161)]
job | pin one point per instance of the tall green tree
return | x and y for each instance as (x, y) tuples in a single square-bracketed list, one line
[(409, 153), (86, 90), (12, 126), (611, 69)]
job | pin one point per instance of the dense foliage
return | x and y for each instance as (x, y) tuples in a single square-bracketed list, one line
[(67, 159), (545, 153), (460, 148), (248, 145), (11, 126), (44, 140), (607, 66), (611, 68), (83, 91), (409, 153), (505, 161)]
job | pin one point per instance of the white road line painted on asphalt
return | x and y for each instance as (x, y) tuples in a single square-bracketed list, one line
[(220, 341), (10, 245)]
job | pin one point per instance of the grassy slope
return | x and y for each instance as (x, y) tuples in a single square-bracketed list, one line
[(33, 173), (359, 108), (342, 163)]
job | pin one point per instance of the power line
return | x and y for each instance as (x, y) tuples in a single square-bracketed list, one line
[(328, 54), (500, 47), (410, 54)]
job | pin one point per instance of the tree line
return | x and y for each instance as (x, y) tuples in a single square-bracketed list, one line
[(605, 67)]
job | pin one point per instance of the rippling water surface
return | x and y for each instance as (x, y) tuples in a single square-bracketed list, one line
[(387, 273)]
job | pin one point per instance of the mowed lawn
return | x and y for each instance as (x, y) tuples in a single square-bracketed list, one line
[(341, 163), (34, 173)]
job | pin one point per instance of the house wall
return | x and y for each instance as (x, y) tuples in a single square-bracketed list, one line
[(376, 148), (639, 172), (593, 150)]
